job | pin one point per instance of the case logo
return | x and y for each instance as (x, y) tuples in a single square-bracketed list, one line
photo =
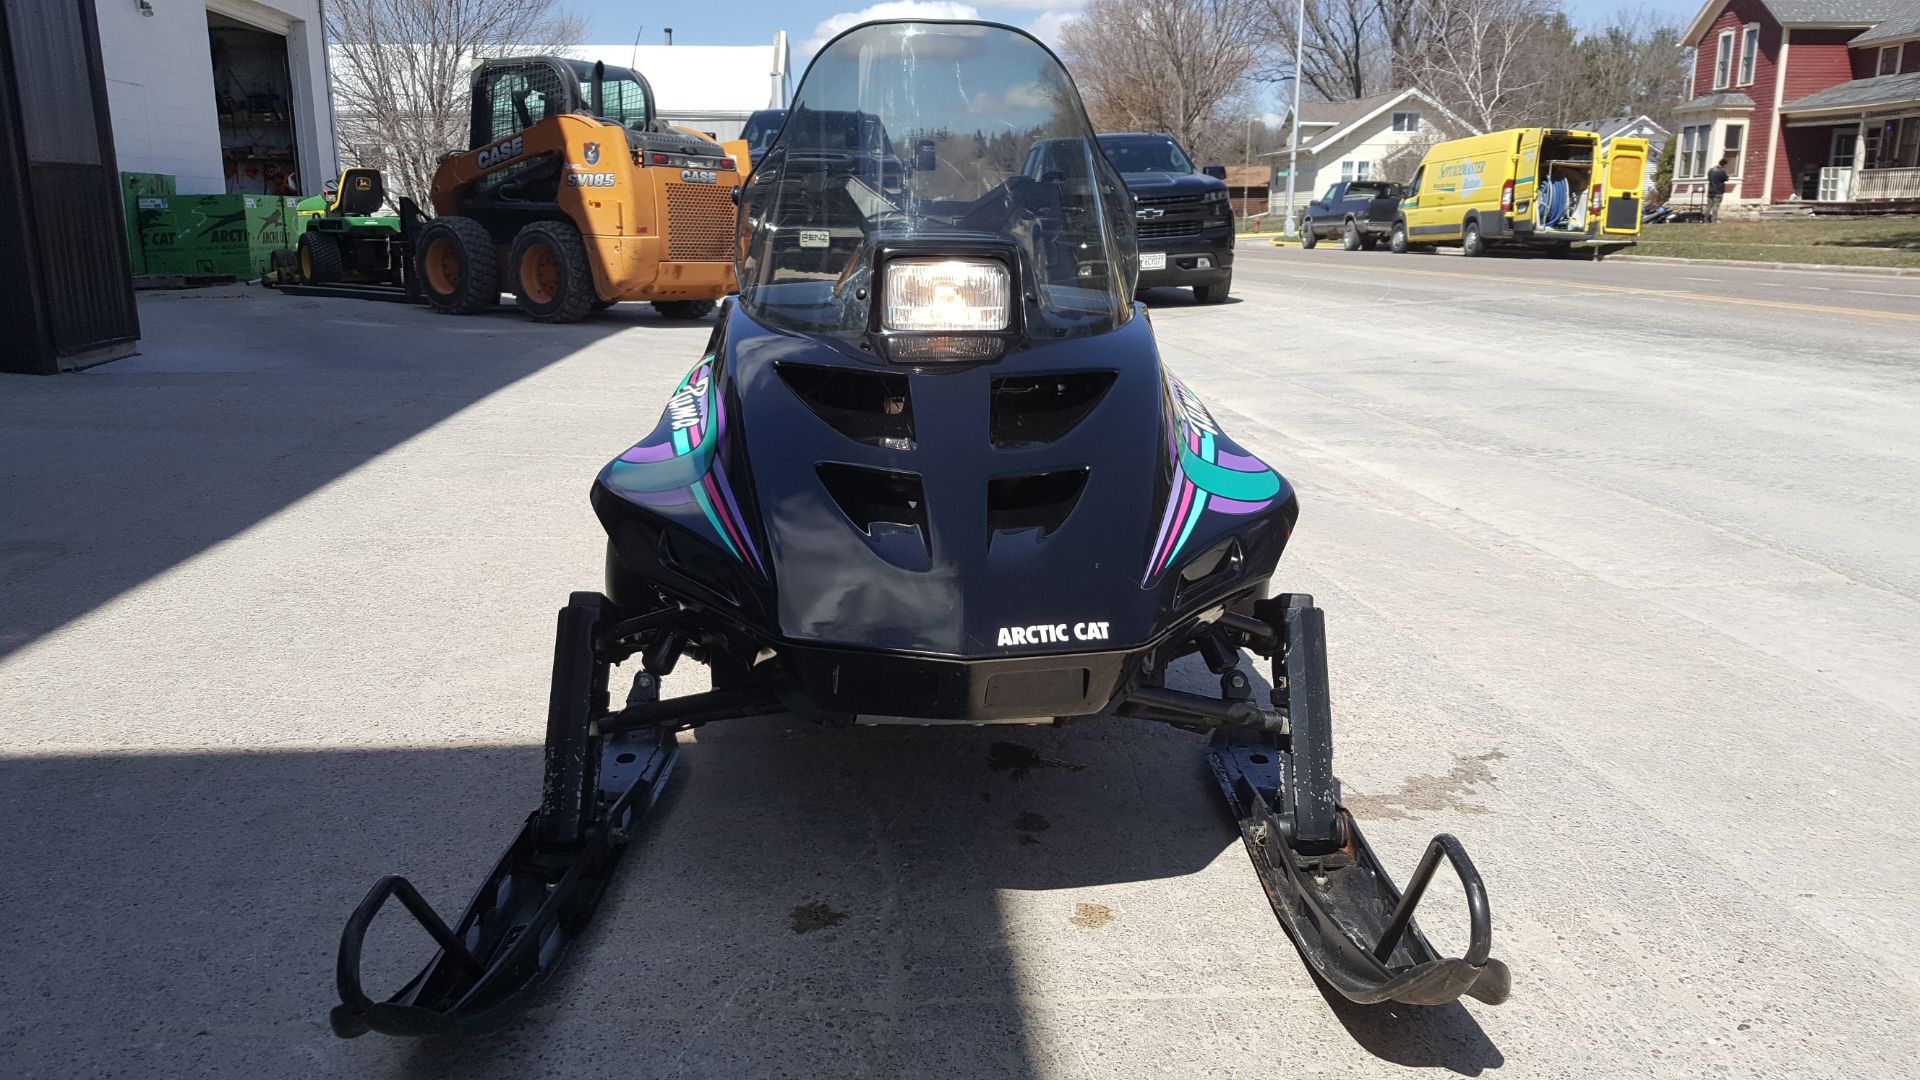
[(699, 176), (502, 153), (1052, 633)]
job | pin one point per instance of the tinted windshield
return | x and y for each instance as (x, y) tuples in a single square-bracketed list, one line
[(1145, 154), (951, 132), (760, 130)]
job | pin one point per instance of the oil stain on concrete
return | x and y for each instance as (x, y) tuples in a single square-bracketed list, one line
[(1029, 825), (1090, 916), (815, 916), (1431, 794), (1018, 760)]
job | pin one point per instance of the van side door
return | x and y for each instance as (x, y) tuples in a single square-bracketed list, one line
[(1412, 208)]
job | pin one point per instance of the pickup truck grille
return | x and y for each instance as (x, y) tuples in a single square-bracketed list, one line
[(1168, 201), (1149, 230)]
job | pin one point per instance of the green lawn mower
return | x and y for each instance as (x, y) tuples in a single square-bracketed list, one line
[(346, 241)]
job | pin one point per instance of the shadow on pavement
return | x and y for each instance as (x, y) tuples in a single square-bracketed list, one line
[(242, 402), (1417, 1036), (809, 902), (1171, 298)]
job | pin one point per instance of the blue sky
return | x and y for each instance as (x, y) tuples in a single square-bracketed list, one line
[(749, 22)]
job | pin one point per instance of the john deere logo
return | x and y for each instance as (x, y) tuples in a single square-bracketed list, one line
[(593, 153)]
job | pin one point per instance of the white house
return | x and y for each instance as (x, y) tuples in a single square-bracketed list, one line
[(1357, 140), (1631, 127), (225, 95), (710, 88)]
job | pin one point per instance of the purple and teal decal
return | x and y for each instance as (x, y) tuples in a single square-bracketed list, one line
[(678, 463), (1210, 473)]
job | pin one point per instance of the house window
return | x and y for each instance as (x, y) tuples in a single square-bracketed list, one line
[(1693, 151), (1406, 121), (1355, 170), (1889, 63), (1735, 142), (1894, 144), (1749, 52), (1909, 156), (1723, 60)]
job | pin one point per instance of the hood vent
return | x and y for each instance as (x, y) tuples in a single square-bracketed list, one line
[(882, 503), (866, 406), (1035, 501), (1032, 410)]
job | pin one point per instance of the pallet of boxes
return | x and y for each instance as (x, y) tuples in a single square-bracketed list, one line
[(177, 240)]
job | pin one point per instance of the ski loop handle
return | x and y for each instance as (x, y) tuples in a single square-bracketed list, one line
[(1480, 934), (347, 971)]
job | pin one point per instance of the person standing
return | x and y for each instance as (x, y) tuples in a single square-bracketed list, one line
[(1716, 190)]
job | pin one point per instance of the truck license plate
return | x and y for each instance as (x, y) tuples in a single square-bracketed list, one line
[(1153, 260)]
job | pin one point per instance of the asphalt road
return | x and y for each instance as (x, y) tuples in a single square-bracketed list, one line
[(1622, 586)]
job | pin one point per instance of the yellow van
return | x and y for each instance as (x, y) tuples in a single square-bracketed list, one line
[(1525, 187)]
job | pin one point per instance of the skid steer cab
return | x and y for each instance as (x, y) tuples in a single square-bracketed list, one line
[(572, 195)]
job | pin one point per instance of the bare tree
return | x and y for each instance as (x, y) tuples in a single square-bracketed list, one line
[(1626, 68), (1163, 65), (1486, 59), (402, 68)]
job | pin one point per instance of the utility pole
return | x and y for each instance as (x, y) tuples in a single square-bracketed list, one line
[(1293, 144)]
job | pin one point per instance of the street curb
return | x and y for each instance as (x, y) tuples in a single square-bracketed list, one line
[(1878, 271)]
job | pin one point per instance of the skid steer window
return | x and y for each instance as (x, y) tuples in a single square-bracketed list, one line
[(622, 101), (519, 98)]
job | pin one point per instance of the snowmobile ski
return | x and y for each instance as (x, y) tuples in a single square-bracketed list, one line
[(1351, 924), (538, 898)]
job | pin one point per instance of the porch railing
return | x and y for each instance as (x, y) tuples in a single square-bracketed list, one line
[(1877, 184)]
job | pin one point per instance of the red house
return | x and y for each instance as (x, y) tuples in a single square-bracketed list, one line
[(1814, 101)]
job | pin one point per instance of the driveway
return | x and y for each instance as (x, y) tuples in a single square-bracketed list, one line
[(1621, 586)]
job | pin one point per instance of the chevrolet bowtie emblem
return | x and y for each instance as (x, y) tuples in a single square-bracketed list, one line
[(1149, 214)]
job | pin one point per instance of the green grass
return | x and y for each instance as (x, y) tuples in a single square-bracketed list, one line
[(1884, 241)]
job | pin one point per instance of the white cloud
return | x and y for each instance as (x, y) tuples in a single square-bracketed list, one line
[(889, 9), (1047, 27)]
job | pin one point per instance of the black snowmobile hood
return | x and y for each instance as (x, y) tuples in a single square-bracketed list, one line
[(1046, 487), (1071, 496)]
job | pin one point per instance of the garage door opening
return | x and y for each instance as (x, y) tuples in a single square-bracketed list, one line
[(253, 94)]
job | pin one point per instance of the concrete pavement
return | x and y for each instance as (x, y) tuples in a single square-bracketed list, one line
[(1620, 581)]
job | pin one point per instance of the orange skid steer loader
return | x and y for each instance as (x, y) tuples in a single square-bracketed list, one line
[(573, 196)]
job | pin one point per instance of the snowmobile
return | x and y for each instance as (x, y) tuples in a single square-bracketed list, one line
[(931, 469)]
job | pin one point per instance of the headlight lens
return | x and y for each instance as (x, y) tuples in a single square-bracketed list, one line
[(1215, 196), (946, 294)]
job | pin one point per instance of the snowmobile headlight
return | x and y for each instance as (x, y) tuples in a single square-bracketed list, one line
[(946, 294)]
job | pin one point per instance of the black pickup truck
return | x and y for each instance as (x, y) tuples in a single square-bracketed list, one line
[(1182, 219), (1359, 212)]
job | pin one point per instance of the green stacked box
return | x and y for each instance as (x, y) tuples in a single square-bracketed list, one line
[(133, 188), (213, 235)]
